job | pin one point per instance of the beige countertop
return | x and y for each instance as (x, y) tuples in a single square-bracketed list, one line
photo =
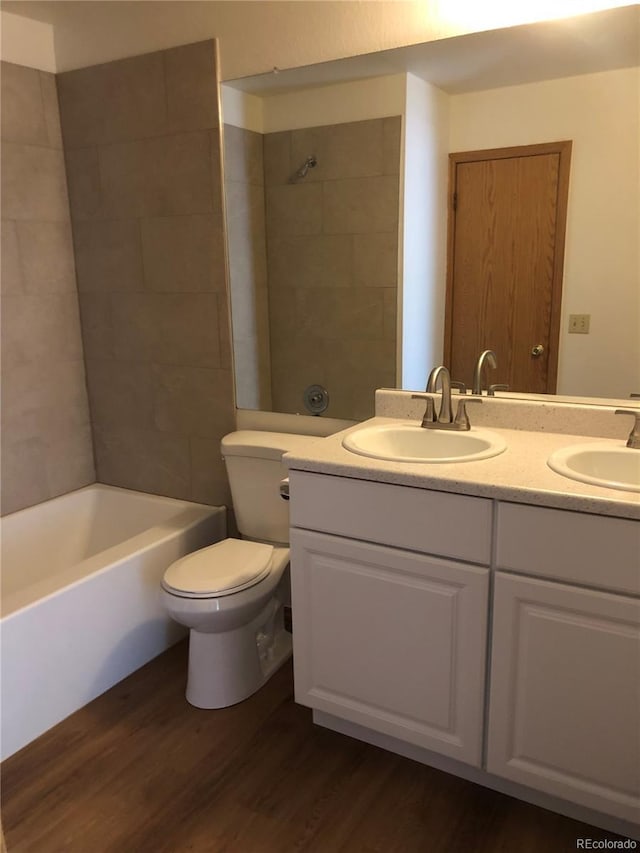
[(519, 474)]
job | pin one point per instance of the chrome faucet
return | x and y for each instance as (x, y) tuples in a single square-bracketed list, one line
[(444, 420), (442, 375), (486, 357), (634, 436)]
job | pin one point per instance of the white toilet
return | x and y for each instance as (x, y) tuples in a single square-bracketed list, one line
[(231, 594)]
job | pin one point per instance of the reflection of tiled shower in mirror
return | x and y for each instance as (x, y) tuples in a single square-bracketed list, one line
[(313, 238)]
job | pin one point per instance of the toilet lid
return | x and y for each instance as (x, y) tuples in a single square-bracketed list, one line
[(222, 567)]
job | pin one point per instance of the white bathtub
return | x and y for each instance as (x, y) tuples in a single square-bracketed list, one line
[(81, 605)]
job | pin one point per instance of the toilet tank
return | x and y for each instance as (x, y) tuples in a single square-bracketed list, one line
[(254, 467)]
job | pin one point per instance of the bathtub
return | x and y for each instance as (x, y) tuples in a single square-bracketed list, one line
[(81, 605)]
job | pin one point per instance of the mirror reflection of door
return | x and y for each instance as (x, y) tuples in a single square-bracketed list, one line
[(507, 223)]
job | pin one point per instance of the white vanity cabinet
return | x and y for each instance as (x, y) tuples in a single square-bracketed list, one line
[(564, 713), (564, 696), (397, 592), (393, 639)]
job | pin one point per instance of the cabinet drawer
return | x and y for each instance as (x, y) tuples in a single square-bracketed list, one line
[(594, 550), (416, 519)]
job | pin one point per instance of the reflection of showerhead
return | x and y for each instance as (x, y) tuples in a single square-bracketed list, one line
[(309, 163)]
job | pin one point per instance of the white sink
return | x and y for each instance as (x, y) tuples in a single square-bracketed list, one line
[(409, 442), (614, 466)]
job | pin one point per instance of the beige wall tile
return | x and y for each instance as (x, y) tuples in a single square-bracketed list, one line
[(246, 234), (391, 142), (108, 255), (350, 150), (283, 314), (294, 209), (165, 176), (360, 355), (179, 329), (39, 329), (34, 184), (46, 441), (69, 462), (183, 253), (243, 155), (24, 475), (146, 460), (315, 260), (224, 332), (97, 325), (46, 254), (11, 270), (192, 401), (329, 313), (120, 393), (209, 481), (191, 86), (360, 205), (85, 186), (51, 108), (390, 306), (278, 167), (375, 258), (252, 374), (22, 117), (113, 102), (44, 400)]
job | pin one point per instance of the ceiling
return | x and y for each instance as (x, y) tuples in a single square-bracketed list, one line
[(601, 41)]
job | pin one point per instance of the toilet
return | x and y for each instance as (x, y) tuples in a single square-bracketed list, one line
[(231, 595)]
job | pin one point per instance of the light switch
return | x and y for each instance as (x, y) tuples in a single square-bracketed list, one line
[(579, 324)]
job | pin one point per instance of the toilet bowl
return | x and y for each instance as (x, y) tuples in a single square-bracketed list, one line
[(231, 594)]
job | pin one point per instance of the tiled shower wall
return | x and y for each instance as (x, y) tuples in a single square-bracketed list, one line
[(244, 191), (332, 246), (142, 150), (46, 436)]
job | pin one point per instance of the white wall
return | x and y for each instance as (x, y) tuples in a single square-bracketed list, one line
[(359, 100), (600, 113), (424, 230), (27, 42)]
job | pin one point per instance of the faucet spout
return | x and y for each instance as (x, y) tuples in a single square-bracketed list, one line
[(440, 375), (486, 357)]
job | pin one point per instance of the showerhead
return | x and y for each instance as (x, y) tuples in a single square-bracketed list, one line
[(309, 163)]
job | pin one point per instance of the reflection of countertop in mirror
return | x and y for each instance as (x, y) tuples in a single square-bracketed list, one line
[(519, 474)]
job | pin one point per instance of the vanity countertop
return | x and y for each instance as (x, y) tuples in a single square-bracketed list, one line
[(519, 474)]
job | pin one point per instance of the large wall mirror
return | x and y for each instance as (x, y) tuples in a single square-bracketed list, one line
[(337, 195)]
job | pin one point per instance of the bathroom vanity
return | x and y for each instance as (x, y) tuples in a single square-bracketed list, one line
[(480, 617)]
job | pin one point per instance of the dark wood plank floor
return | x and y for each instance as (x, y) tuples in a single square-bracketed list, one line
[(140, 770)]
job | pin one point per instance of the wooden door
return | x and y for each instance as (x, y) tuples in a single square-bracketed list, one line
[(506, 252), (391, 640), (564, 702)]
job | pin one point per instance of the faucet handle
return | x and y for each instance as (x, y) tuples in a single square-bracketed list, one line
[(462, 419), (493, 388), (430, 412), (634, 436), (462, 388)]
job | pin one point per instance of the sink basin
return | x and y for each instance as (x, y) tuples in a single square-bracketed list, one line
[(411, 443), (614, 466)]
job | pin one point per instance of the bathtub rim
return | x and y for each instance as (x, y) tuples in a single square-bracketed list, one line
[(188, 515)]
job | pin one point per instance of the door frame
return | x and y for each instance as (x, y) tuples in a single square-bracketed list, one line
[(562, 148)]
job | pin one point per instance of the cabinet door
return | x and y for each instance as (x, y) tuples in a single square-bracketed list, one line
[(391, 640), (565, 693)]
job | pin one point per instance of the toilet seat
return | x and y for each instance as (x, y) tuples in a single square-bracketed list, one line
[(221, 569)]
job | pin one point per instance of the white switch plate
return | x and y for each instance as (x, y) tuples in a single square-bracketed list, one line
[(579, 324)]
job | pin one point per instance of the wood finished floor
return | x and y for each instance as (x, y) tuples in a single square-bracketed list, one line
[(140, 770)]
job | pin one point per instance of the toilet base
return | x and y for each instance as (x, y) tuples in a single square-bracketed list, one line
[(226, 668)]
